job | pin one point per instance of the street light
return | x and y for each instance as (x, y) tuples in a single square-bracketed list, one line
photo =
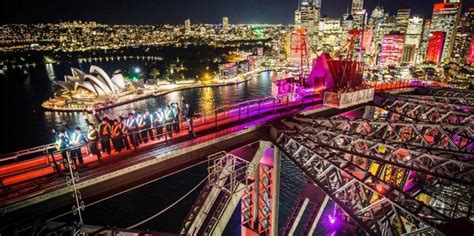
[(137, 70)]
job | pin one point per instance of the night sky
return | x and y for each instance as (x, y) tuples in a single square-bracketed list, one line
[(176, 11)]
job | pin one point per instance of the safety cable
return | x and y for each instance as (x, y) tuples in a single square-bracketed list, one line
[(128, 190), (169, 207)]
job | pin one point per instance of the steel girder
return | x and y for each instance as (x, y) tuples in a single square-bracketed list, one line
[(453, 199), (445, 92), (450, 167), (429, 111), (375, 205), (457, 103), (433, 137)]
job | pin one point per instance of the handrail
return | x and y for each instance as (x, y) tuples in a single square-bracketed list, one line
[(17, 172), (45, 147), (223, 108)]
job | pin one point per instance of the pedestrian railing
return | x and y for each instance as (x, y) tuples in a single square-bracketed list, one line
[(39, 161)]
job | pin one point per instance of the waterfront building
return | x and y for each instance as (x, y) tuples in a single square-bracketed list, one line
[(95, 83), (225, 25), (227, 70), (307, 16), (187, 26), (392, 50), (402, 19), (464, 36), (445, 18), (243, 66)]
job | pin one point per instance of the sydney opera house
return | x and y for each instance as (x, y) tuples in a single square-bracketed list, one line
[(95, 83)]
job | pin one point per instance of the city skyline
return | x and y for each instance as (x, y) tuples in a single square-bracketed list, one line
[(205, 11)]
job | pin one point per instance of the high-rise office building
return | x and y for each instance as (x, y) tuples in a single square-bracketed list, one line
[(412, 40), (376, 17), (392, 50), (187, 26), (402, 19), (464, 36), (357, 6), (425, 37), (386, 26), (436, 44), (359, 19), (470, 53), (225, 25), (330, 35), (445, 18), (307, 16)]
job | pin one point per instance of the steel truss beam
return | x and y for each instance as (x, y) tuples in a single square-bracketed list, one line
[(433, 137), (372, 203), (434, 112), (457, 103), (457, 93), (447, 167)]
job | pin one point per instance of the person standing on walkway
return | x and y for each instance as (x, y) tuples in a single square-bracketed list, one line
[(169, 120), (142, 128), (176, 121), (148, 117), (115, 134), (159, 120), (104, 135), (62, 144), (124, 133), (189, 116), (93, 137), (77, 141), (132, 129)]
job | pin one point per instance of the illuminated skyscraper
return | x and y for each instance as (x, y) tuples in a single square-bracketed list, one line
[(403, 16), (392, 50), (464, 36), (376, 17), (225, 25), (470, 53), (425, 37), (357, 6), (412, 40), (386, 26), (445, 17), (436, 44), (376, 21), (307, 16), (187, 26)]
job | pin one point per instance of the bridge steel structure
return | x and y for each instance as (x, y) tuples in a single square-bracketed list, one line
[(407, 171), (406, 168)]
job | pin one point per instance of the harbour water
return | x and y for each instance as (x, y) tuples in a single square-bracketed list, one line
[(22, 92)]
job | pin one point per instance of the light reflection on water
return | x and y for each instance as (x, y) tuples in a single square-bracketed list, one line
[(50, 72), (206, 99)]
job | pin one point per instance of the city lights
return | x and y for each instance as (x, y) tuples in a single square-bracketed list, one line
[(268, 117)]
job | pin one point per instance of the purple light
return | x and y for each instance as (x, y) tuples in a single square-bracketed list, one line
[(332, 219)]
